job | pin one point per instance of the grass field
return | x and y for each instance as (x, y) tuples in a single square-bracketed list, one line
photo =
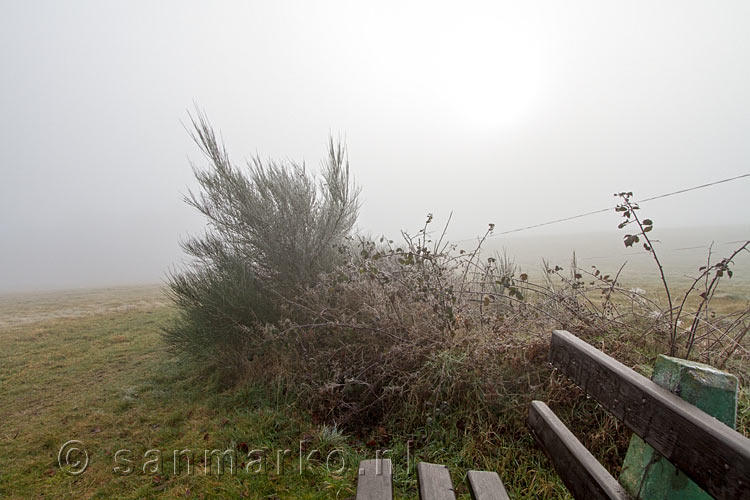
[(105, 379), (91, 366), (32, 307)]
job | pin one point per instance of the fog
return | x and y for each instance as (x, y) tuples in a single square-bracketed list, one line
[(512, 113)]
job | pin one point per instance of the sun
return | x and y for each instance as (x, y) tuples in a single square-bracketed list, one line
[(497, 92)]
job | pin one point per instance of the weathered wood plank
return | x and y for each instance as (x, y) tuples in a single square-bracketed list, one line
[(375, 480), (434, 482), (486, 485), (581, 472), (712, 454)]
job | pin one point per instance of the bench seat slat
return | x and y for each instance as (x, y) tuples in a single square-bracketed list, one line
[(712, 454), (486, 485), (375, 480), (581, 472), (434, 482)]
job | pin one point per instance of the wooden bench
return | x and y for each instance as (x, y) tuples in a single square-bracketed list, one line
[(713, 455), (376, 482)]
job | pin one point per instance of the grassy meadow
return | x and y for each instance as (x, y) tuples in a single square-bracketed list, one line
[(104, 378)]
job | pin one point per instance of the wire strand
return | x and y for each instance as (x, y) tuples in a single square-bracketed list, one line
[(572, 217)]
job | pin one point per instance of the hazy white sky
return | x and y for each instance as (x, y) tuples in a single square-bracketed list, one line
[(504, 112)]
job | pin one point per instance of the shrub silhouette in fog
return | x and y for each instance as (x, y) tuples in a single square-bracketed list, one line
[(273, 228)]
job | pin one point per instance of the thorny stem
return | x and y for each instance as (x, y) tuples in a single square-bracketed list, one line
[(709, 294), (672, 324)]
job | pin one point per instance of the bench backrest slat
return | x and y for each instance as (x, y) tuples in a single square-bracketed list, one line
[(375, 480), (434, 482), (711, 453), (486, 485)]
